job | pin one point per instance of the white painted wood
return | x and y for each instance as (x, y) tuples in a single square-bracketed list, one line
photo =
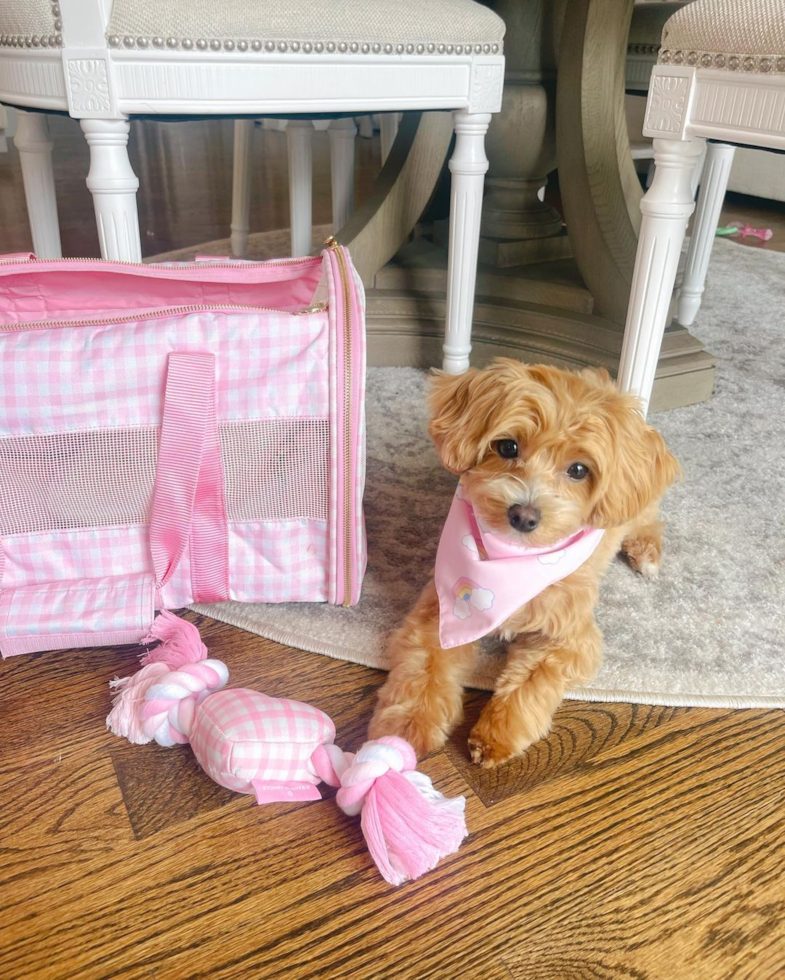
[(84, 22), (241, 185), (342, 133), (113, 184), (388, 130), (719, 159), (34, 144), (249, 84), (299, 134), (365, 127), (666, 207), (468, 166)]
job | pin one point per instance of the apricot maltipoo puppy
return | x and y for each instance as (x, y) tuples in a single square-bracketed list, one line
[(558, 472)]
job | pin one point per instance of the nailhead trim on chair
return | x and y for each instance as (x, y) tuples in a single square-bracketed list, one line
[(37, 40), (763, 64), (643, 48), (307, 47)]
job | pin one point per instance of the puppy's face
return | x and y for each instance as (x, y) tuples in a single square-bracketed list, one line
[(544, 452)]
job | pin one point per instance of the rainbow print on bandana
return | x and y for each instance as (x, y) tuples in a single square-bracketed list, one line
[(469, 595)]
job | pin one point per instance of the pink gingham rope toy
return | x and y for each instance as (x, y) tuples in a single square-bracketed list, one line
[(280, 750)]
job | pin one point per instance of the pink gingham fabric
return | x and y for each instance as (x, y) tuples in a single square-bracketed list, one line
[(111, 376), (233, 498), (252, 743)]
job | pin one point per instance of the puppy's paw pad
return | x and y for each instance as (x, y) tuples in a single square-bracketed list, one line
[(488, 754)]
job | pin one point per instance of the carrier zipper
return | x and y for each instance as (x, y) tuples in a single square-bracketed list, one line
[(156, 314), (158, 265), (332, 244)]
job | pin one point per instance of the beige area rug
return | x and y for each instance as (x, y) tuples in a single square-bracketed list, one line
[(710, 631)]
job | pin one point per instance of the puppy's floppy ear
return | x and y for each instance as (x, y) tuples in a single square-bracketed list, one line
[(637, 467), (457, 423)]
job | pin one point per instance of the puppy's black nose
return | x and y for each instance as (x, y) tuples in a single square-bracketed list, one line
[(524, 518)]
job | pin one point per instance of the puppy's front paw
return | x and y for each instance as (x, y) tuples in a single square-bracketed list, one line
[(644, 553), (488, 754), (419, 731), (490, 745)]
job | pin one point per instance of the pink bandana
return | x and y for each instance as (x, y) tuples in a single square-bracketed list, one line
[(481, 578)]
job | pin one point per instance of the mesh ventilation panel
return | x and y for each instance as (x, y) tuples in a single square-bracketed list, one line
[(274, 470), (76, 479), (276, 467)]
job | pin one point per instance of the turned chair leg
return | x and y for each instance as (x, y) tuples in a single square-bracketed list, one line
[(241, 186), (299, 136), (113, 184), (666, 207), (35, 155), (719, 159), (468, 166), (342, 133)]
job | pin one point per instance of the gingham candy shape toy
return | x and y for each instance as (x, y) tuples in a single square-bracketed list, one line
[(280, 750)]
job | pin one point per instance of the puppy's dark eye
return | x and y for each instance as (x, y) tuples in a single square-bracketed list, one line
[(578, 472), (507, 448)]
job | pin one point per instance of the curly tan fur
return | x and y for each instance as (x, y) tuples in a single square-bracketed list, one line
[(557, 418)]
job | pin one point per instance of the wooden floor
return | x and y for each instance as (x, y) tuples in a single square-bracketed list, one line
[(635, 842)]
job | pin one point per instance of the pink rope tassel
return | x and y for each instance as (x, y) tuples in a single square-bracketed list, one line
[(408, 825), (180, 642), (159, 702)]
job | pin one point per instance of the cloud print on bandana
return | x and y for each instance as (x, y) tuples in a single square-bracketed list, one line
[(477, 550), (469, 594), (552, 558)]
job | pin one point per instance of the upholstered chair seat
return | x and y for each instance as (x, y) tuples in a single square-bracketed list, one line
[(30, 23), (732, 35), (355, 26)]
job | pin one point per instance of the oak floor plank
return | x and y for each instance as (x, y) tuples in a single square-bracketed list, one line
[(638, 842)]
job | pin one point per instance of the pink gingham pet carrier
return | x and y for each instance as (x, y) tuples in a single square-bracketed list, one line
[(172, 434)]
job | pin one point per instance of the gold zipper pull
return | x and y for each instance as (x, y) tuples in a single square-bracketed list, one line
[(316, 308), (331, 242)]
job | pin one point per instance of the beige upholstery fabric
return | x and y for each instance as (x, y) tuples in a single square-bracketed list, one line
[(30, 23), (735, 35), (345, 25)]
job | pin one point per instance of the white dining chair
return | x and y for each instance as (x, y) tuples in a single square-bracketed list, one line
[(103, 61), (720, 76), (342, 133)]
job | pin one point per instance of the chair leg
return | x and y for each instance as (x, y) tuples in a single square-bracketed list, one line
[(666, 207), (113, 184), (468, 166), (35, 154), (342, 134), (388, 130), (365, 127), (299, 136), (241, 185), (697, 173), (719, 159)]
